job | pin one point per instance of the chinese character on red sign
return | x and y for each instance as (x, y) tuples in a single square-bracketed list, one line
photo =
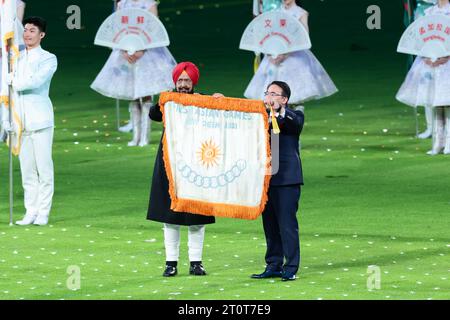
[(125, 19), (140, 20)]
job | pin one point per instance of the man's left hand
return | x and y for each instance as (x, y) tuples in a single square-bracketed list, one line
[(218, 95), (9, 78), (275, 106)]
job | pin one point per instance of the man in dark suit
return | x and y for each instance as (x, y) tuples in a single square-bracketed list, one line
[(279, 216)]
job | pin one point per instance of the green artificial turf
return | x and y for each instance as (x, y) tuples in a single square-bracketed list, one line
[(371, 197)]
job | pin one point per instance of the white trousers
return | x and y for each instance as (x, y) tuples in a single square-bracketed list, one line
[(36, 166), (196, 234)]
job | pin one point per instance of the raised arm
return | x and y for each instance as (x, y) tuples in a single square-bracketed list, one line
[(21, 10)]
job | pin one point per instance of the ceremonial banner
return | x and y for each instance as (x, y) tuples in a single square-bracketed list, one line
[(12, 33), (216, 154)]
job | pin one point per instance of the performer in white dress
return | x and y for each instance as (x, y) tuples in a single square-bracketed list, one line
[(419, 12), (137, 77), (428, 84), (301, 70), (20, 13)]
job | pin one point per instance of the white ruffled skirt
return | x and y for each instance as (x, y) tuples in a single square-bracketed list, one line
[(301, 70), (150, 75), (426, 86)]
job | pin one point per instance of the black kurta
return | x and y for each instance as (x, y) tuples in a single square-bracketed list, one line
[(159, 206)]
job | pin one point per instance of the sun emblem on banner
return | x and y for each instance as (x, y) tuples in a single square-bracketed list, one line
[(209, 154)]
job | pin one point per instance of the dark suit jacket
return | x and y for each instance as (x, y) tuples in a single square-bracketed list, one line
[(290, 165)]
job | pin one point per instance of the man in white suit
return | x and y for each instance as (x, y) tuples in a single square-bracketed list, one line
[(31, 80)]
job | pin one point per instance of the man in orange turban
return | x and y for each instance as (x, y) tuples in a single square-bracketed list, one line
[(185, 76)]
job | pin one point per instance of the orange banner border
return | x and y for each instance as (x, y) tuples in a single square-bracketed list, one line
[(209, 208)]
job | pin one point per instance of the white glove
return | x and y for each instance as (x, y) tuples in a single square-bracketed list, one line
[(7, 126), (9, 78)]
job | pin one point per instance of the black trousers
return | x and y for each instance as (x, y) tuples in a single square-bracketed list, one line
[(281, 228)]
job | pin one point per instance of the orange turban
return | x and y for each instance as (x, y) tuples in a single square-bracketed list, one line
[(190, 68)]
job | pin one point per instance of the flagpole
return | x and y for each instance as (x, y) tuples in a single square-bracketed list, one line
[(410, 62), (410, 58), (409, 12), (117, 100), (10, 133)]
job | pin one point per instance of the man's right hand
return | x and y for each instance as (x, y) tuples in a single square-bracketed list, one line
[(218, 95), (9, 78), (273, 105), (7, 126)]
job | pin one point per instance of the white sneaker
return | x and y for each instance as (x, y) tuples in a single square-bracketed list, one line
[(27, 219), (132, 143), (126, 128), (425, 135), (143, 143), (447, 146), (41, 220), (435, 151)]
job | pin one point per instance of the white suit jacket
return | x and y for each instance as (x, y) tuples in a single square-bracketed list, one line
[(31, 81)]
